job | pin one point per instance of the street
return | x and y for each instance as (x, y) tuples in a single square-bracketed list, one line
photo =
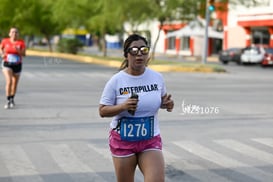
[(220, 130)]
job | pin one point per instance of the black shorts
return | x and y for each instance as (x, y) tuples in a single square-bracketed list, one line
[(16, 68)]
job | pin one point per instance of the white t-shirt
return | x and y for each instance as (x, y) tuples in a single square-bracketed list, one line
[(149, 86)]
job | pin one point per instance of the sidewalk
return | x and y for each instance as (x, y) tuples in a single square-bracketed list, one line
[(118, 53), (159, 56)]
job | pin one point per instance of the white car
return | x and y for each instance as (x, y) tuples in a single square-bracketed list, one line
[(252, 54)]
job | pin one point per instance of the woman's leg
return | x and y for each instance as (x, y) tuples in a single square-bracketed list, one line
[(125, 168), (8, 77), (15, 79), (151, 164)]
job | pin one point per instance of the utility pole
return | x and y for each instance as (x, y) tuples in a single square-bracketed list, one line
[(209, 8)]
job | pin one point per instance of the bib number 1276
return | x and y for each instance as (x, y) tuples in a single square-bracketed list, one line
[(136, 129)]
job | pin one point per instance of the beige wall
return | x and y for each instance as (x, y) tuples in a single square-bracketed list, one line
[(236, 34), (198, 46), (236, 37)]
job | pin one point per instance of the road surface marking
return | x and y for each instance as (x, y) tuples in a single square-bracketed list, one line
[(19, 164), (246, 150), (265, 141), (70, 163), (224, 161)]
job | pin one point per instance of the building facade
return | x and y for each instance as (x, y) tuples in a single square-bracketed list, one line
[(247, 26), (192, 43), (241, 26)]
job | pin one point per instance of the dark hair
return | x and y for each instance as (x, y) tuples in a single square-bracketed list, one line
[(126, 45)]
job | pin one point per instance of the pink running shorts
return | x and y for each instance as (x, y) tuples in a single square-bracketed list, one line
[(121, 148)]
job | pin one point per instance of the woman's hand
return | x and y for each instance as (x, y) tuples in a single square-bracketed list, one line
[(167, 103), (21, 52), (109, 111), (131, 105), (2, 53)]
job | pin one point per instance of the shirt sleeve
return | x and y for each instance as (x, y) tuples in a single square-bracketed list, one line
[(2, 44), (164, 89), (23, 44), (108, 96)]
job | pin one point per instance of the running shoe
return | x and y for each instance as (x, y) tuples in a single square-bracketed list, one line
[(11, 104), (7, 105)]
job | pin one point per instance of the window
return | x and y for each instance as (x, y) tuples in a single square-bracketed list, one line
[(171, 43), (185, 43), (260, 37)]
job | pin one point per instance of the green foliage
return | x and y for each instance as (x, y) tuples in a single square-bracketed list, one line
[(71, 13), (7, 12), (69, 45), (108, 17), (135, 16), (51, 17)]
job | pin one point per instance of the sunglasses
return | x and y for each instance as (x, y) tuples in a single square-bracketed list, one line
[(135, 50)]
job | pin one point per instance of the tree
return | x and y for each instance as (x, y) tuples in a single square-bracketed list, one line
[(37, 20), (71, 13), (100, 17), (108, 19), (7, 12), (141, 12)]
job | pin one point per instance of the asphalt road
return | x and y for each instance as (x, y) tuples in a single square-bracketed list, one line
[(220, 130)]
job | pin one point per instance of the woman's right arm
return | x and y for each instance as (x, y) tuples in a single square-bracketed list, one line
[(110, 111), (2, 50), (113, 110)]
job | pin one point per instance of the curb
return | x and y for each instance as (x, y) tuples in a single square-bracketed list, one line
[(116, 64)]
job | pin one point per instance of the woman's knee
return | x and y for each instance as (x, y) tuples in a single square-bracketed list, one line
[(125, 168), (152, 166), (8, 81)]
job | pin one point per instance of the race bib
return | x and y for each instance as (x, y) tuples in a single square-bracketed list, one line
[(136, 128), (13, 58)]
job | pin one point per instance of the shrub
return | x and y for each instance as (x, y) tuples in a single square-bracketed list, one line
[(69, 45)]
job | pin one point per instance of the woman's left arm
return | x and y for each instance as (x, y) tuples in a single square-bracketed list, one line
[(21, 50)]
